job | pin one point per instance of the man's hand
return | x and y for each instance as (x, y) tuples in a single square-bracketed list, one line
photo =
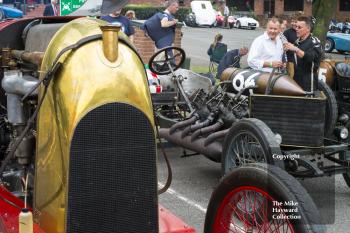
[(275, 64), (168, 23), (290, 47)]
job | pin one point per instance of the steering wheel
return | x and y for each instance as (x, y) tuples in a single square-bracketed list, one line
[(167, 60)]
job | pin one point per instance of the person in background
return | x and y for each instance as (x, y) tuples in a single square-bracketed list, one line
[(308, 54), (266, 50), (284, 24), (231, 59), (51, 9), (291, 36), (216, 44), (116, 17), (161, 26), (130, 14)]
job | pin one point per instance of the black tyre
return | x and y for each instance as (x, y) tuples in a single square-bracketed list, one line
[(331, 116), (248, 141), (245, 201), (238, 24), (2, 15), (346, 175), (345, 155), (347, 31), (329, 45)]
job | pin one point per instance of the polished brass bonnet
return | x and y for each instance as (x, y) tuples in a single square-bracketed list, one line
[(99, 72)]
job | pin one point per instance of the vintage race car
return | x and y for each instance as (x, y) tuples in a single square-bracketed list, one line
[(338, 41), (9, 12)]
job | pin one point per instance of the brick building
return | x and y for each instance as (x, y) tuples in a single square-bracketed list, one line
[(266, 8)]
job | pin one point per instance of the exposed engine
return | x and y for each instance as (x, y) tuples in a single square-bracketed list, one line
[(19, 82)]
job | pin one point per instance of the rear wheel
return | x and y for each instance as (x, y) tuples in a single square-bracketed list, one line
[(238, 24), (248, 141), (246, 201), (331, 116), (329, 45), (347, 31)]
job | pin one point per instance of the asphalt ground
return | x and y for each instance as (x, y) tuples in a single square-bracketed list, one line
[(195, 177)]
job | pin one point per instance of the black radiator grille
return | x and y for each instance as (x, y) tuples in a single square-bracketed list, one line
[(300, 121), (112, 173)]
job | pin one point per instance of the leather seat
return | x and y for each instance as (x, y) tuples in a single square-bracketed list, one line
[(343, 69)]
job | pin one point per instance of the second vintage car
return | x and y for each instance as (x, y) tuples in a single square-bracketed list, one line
[(338, 41)]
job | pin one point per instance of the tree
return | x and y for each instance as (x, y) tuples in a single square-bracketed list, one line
[(323, 11)]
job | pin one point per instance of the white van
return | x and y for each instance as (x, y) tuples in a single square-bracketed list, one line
[(204, 13)]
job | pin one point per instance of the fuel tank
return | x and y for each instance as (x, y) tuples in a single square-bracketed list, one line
[(95, 136), (326, 72), (239, 79)]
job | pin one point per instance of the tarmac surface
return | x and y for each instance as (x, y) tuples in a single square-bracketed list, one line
[(195, 177)]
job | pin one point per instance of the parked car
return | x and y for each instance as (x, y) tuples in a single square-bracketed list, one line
[(220, 20), (246, 22), (338, 41), (203, 14), (9, 12), (343, 27)]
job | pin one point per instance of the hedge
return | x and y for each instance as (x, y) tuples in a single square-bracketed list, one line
[(144, 12)]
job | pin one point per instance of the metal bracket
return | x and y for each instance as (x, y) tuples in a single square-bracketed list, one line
[(311, 166)]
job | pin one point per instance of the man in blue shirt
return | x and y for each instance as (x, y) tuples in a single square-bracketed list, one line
[(161, 26), (116, 17)]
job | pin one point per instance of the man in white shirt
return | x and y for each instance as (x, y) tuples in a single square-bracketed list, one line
[(266, 50)]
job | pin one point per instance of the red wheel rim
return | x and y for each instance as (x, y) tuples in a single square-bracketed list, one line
[(249, 209)]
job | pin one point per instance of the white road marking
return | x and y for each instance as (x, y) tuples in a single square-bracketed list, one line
[(183, 198)]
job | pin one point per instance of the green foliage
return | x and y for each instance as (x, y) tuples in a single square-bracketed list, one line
[(323, 10), (146, 11)]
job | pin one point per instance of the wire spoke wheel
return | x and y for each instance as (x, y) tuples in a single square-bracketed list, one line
[(246, 148), (256, 198), (248, 141), (249, 209)]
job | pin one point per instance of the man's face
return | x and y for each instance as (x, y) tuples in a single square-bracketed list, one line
[(273, 29), (173, 8), (293, 23), (118, 12), (243, 51), (302, 29)]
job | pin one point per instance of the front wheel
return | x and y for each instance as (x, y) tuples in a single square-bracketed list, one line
[(248, 141), (2, 15), (249, 200), (329, 45)]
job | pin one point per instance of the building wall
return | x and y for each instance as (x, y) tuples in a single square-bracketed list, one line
[(279, 9), (145, 46), (157, 2), (341, 15)]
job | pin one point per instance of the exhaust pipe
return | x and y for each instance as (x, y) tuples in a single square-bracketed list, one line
[(209, 129), (213, 151), (191, 128), (182, 124), (212, 137)]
